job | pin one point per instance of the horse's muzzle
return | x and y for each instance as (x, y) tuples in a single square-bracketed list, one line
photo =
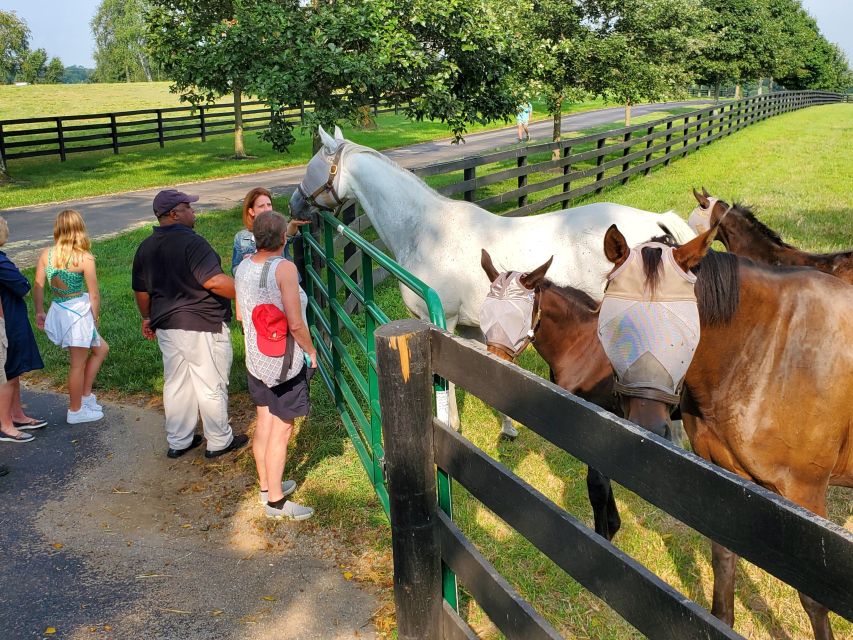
[(299, 207)]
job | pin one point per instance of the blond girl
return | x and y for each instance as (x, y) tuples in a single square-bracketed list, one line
[(73, 318)]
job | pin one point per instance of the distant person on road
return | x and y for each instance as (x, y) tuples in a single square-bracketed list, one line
[(522, 119), (73, 319), (276, 367), (22, 354), (257, 201), (184, 298)]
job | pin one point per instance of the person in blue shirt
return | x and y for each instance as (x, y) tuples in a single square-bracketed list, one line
[(523, 119), (256, 202)]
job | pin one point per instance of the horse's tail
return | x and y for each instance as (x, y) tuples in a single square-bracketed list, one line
[(675, 226)]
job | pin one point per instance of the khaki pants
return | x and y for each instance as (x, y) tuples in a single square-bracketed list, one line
[(195, 381)]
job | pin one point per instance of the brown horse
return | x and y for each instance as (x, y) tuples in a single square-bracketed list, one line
[(744, 234), (563, 323), (768, 393)]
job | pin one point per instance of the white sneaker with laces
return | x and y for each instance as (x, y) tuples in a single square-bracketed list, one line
[(287, 487), (289, 511), (85, 414), (91, 401)]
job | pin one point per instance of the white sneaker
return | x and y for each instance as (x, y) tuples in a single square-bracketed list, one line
[(91, 401), (287, 487), (85, 414), (290, 511)]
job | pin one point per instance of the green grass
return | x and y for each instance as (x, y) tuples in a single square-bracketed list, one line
[(797, 168), (46, 179)]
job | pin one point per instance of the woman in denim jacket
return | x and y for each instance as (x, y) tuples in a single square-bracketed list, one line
[(258, 201)]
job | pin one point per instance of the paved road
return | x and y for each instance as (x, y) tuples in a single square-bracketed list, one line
[(32, 227), (101, 535)]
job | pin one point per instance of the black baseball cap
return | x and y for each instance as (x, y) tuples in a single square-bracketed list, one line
[(168, 199)]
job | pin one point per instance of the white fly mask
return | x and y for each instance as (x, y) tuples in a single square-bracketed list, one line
[(700, 217), (506, 317), (650, 339)]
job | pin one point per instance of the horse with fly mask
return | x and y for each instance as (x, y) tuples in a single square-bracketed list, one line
[(767, 387)]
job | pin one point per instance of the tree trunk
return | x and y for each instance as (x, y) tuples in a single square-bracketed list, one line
[(146, 68), (717, 91), (4, 175), (627, 114), (558, 126), (770, 84), (737, 92), (239, 149), (760, 86)]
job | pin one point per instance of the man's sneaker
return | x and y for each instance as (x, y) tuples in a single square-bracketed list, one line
[(91, 401), (287, 487), (236, 443), (289, 511), (85, 414)]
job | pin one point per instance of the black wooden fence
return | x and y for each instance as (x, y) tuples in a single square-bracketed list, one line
[(63, 135), (802, 549)]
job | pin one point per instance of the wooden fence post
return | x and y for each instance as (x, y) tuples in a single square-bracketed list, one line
[(202, 124), (160, 127), (469, 174), (405, 397), (60, 138), (649, 132), (114, 132), (625, 152), (598, 161), (567, 169), (668, 140), (522, 180)]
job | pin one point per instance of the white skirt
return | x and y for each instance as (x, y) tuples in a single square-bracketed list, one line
[(69, 323)]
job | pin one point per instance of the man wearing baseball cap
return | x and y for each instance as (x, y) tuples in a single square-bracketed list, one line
[(184, 298)]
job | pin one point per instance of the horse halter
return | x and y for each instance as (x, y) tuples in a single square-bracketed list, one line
[(649, 336), (700, 217), (326, 187), (510, 314)]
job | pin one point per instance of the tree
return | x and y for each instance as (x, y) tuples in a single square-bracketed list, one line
[(14, 44), (210, 48), (121, 53), (76, 74), (33, 67), (54, 71), (450, 60), (642, 49)]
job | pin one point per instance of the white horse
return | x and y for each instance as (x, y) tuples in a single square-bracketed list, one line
[(439, 239)]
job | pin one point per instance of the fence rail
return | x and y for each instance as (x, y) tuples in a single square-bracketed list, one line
[(809, 553), (64, 135)]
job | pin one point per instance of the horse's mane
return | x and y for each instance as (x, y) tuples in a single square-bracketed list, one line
[(762, 228), (570, 293), (717, 283)]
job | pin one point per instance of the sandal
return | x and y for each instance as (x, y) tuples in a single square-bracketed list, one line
[(21, 437), (32, 423)]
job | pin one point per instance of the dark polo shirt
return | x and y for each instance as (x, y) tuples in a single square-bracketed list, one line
[(170, 266)]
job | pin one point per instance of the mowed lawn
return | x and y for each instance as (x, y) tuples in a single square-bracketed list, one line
[(45, 179), (796, 169)]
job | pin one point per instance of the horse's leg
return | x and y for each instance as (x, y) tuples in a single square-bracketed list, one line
[(814, 499), (475, 334), (724, 563), (604, 511)]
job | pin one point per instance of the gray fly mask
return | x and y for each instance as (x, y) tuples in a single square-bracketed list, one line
[(649, 337), (700, 217), (507, 315)]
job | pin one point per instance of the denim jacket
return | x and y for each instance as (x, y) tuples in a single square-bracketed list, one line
[(244, 245)]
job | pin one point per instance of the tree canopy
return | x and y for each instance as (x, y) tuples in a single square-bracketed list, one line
[(121, 53), (14, 44)]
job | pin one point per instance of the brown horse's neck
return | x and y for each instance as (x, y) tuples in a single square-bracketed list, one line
[(567, 339), (742, 233)]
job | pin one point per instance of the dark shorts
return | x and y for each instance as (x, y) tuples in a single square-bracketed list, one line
[(287, 401)]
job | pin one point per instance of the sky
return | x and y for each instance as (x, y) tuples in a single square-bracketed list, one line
[(62, 26)]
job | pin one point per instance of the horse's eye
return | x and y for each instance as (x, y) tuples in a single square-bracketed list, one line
[(703, 206)]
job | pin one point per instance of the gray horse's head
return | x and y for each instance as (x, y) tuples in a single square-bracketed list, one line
[(320, 186)]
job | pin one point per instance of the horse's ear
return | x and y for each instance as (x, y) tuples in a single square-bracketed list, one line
[(339, 135), (705, 193), (534, 278), (616, 248), (701, 199), (488, 266), (689, 255), (327, 140)]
